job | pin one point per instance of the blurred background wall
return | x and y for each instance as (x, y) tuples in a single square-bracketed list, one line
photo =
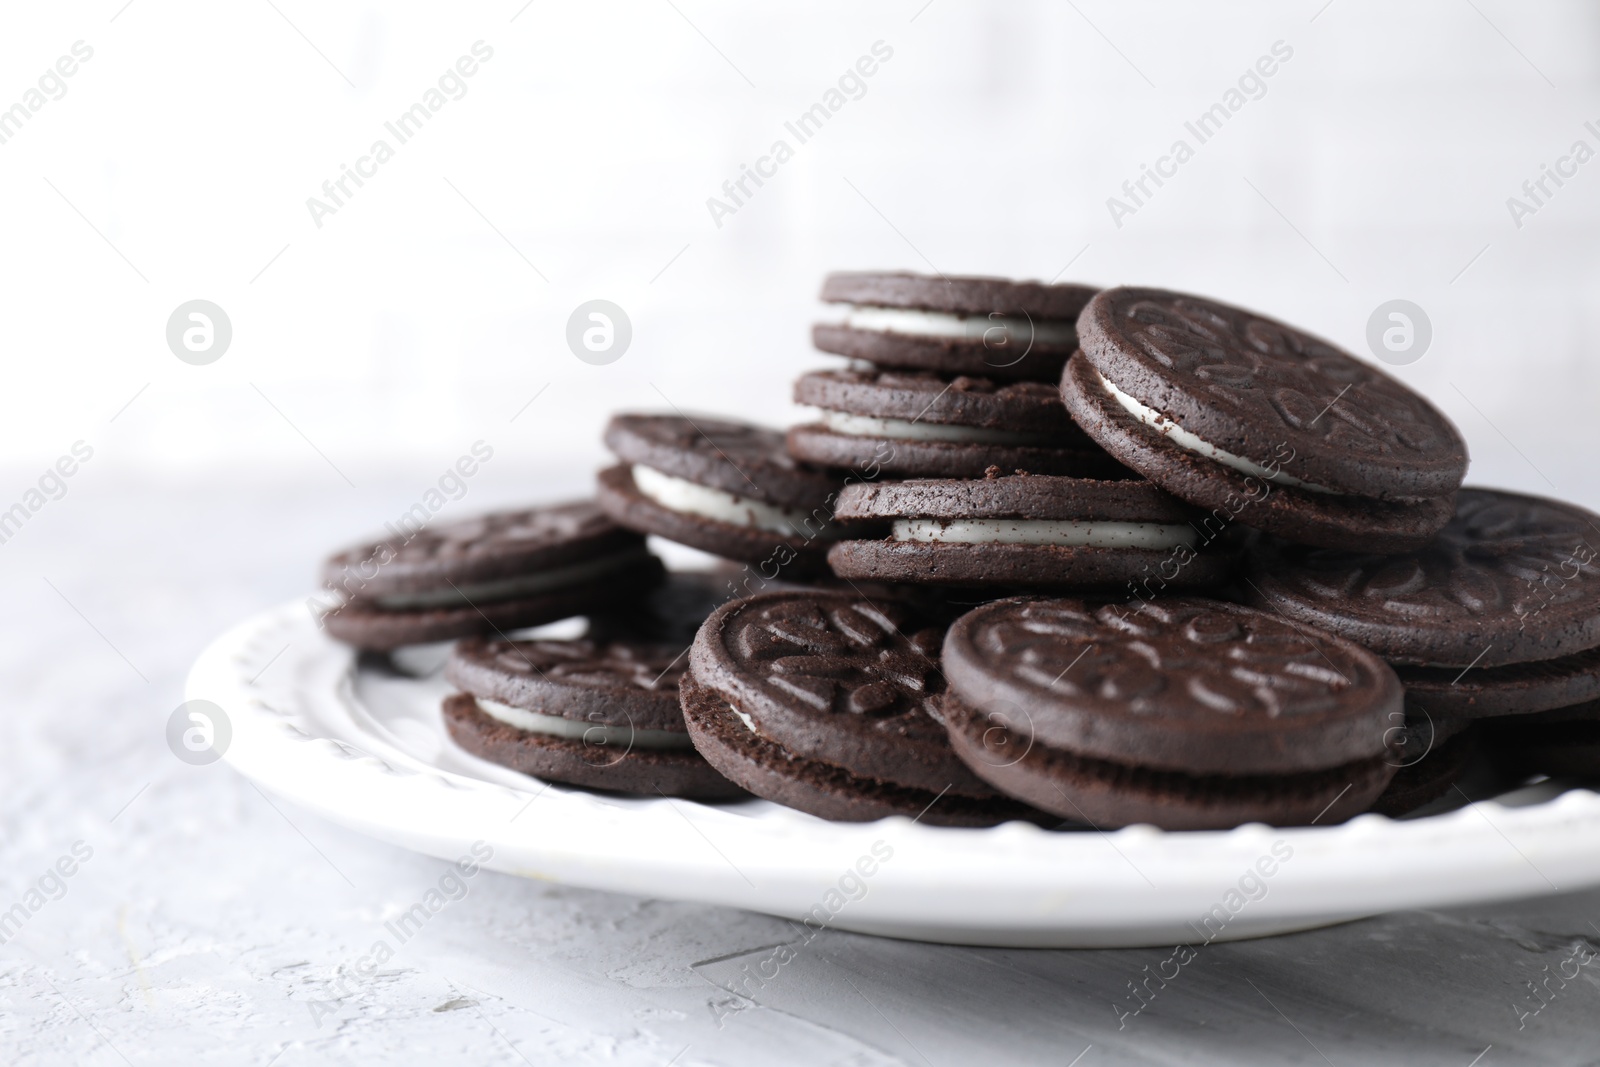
[(373, 344)]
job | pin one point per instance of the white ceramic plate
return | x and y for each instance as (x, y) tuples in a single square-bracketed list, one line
[(367, 749)]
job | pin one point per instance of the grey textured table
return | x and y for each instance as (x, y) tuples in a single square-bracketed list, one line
[(213, 924)]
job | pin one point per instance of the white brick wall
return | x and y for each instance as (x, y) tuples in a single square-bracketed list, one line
[(406, 327)]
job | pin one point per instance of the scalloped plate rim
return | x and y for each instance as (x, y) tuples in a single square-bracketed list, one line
[(298, 732)]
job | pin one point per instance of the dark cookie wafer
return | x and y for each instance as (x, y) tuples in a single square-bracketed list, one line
[(1242, 381), (736, 457), (500, 571), (924, 425), (724, 487), (1111, 794), (1425, 776), (557, 759), (604, 715), (1034, 531), (1185, 713), (1510, 589), (1422, 732), (381, 630), (1562, 743), (954, 325), (1229, 495), (1211, 401), (672, 612), (1516, 688), (825, 701), (912, 396), (957, 294), (821, 789), (612, 683)]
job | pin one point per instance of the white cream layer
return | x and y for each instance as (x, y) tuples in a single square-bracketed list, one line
[(1067, 533), (578, 730), (906, 430), (1191, 443), (691, 498), (998, 329), (506, 588)]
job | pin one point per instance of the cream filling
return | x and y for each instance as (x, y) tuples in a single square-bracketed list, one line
[(1069, 533), (1190, 443), (578, 730), (993, 330), (522, 585), (678, 494), (907, 430)]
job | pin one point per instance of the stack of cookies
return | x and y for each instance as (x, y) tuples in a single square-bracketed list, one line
[(954, 393), (948, 378), (1048, 553)]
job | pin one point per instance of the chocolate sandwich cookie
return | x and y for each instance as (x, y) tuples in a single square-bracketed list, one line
[(991, 327), (924, 425), (1186, 713), (1499, 615), (1029, 531), (1262, 424), (499, 571), (825, 702), (728, 488), (598, 714), (1561, 743)]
